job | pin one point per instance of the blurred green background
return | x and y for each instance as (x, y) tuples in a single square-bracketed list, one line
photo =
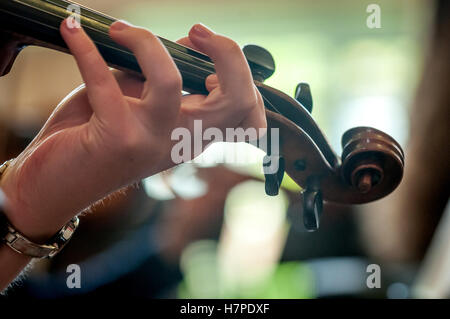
[(358, 75)]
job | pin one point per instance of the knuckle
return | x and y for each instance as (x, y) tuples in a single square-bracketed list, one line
[(230, 46), (250, 101), (145, 35), (89, 54), (101, 80), (139, 38), (129, 143), (259, 98), (170, 82)]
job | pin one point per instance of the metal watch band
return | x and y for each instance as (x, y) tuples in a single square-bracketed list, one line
[(22, 245), (4, 166)]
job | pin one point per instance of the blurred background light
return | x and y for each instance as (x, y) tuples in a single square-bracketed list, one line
[(252, 216), (339, 276), (381, 112), (256, 223), (156, 187), (185, 183), (199, 266), (397, 290), (182, 181)]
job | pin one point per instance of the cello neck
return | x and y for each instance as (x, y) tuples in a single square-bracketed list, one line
[(37, 22)]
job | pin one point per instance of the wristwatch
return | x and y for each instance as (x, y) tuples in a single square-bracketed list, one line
[(19, 243)]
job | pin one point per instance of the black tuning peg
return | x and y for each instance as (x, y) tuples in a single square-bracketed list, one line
[(273, 172), (303, 96), (312, 209), (260, 61)]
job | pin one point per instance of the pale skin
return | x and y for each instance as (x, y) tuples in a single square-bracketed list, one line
[(116, 129)]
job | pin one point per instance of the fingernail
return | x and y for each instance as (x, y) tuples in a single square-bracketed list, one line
[(120, 25), (72, 25), (201, 31)]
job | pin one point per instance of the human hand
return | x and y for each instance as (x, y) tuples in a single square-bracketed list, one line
[(114, 132)]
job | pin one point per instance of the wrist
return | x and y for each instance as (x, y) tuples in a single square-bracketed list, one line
[(25, 217)]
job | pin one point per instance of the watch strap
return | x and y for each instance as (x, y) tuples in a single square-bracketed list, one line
[(23, 245)]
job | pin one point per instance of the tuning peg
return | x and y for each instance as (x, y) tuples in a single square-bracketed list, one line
[(273, 172), (303, 96), (312, 209), (260, 61)]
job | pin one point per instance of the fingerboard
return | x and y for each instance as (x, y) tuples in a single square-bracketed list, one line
[(38, 22)]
